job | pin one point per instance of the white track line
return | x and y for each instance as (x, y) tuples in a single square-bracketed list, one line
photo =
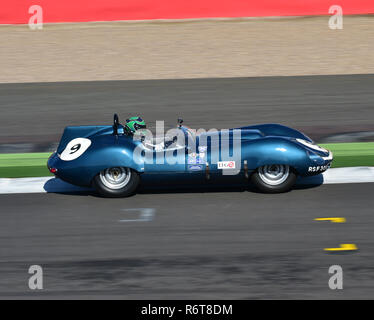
[(343, 175), (48, 184)]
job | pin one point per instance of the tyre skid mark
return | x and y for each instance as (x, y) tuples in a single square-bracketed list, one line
[(145, 215)]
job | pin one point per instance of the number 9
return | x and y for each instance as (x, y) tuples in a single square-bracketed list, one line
[(75, 149)]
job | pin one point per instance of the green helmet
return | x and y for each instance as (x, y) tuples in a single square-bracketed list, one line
[(133, 124)]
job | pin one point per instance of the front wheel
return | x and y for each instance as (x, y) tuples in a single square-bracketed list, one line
[(274, 178), (116, 182)]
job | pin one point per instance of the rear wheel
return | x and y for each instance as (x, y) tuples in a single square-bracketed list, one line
[(274, 178), (116, 182)]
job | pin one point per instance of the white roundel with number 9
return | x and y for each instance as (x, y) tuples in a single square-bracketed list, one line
[(75, 149)]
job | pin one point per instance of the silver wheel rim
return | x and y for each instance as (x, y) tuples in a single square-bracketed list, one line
[(274, 174), (115, 178)]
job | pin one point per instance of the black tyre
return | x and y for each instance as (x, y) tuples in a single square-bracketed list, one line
[(274, 178), (116, 182)]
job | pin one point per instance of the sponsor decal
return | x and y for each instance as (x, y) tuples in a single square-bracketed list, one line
[(196, 158), (202, 149), (226, 165), (195, 161), (195, 167)]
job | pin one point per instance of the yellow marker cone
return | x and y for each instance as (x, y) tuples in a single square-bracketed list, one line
[(343, 247), (334, 220)]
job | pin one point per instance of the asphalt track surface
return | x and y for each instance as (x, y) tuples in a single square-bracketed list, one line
[(217, 244), (33, 115)]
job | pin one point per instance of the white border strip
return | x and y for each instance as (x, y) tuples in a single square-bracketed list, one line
[(36, 185), (163, 20), (348, 175), (48, 184)]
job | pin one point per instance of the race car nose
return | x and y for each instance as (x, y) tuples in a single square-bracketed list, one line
[(321, 159), (330, 157)]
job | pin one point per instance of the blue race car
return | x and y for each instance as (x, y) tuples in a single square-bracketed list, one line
[(114, 158)]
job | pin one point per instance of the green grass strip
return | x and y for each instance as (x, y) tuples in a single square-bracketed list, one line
[(355, 154), (19, 165)]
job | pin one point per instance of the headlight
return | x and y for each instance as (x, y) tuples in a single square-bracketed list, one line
[(311, 145)]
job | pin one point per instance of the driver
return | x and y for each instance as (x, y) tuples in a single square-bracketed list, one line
[(133, 124)]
